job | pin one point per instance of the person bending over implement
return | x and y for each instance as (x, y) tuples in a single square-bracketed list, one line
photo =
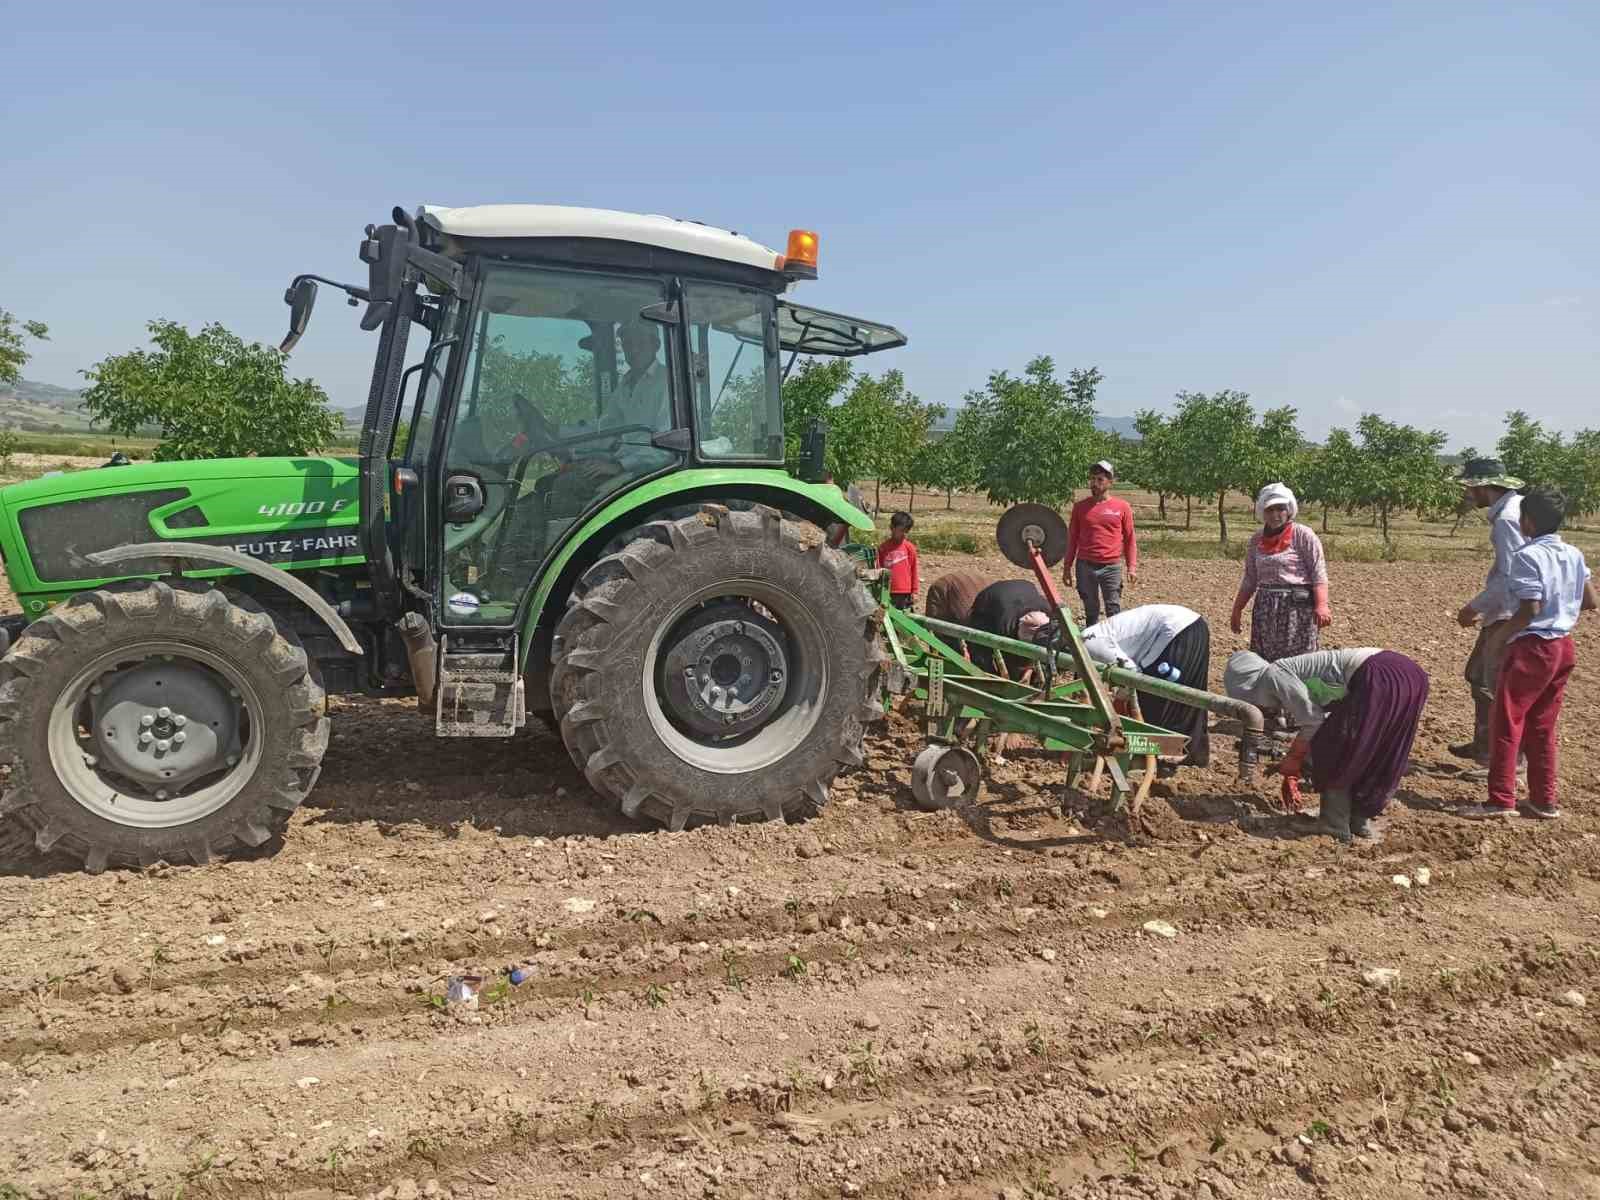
[(1012, 608), (1149, 637), (1355, 713)]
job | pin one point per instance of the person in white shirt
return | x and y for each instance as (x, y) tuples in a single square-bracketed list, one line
[(1156, 636), (1551, 586), (643, 398), (1489, 486)]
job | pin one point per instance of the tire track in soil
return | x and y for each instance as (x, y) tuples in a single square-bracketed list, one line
[(1084, 1086), (1221, 1029), (1001, 935)]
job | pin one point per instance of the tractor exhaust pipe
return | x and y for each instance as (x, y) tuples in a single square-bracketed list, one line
[(423, 654)]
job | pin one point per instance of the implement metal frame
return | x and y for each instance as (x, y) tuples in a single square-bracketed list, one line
[(963, 705)]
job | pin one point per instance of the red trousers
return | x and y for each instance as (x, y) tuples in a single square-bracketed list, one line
[(1527, 702)]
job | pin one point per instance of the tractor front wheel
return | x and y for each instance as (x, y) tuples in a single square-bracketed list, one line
[(157, 721), (717, 670)]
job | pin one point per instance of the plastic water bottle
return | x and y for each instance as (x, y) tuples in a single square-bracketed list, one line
[(1169, 672)]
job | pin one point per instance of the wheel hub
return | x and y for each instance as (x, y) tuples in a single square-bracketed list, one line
[(725, 670), (164, 724)]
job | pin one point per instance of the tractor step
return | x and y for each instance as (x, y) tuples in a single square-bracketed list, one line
[(479, 694)]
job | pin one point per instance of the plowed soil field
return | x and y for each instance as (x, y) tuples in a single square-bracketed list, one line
[(882, 1002)]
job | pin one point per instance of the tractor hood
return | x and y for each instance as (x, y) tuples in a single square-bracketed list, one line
[(292, 512)]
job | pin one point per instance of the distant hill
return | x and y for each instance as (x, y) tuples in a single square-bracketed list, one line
[(42, 408), (34, 407)]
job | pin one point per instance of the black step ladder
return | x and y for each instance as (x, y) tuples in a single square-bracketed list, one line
[(479, 693)]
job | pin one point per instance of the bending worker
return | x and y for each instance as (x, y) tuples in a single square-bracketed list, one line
[(1355, 713), (1154, 636), (1012, 608)]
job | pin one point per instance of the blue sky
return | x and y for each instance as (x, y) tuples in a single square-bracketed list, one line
[(1340, 207)]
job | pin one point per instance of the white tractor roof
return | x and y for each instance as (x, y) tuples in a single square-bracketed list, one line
[(566, 221)]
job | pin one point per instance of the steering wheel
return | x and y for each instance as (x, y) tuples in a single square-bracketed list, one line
[(533, 422), (560, 448)]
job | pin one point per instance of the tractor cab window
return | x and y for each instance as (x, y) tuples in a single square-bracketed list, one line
[(733, 371), (563, 389)]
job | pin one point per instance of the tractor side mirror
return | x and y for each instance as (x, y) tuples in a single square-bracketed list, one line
[(301, 297), (463, 498)]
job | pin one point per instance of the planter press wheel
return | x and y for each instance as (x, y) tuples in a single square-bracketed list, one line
[(944, 777), (1024, 523)]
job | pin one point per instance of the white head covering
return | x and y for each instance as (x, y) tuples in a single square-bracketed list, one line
[(1276, 493)]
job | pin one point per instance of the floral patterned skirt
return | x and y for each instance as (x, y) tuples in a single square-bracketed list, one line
[(1280, 628)]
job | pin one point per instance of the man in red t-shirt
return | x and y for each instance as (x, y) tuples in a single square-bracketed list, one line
[(1099, 538)]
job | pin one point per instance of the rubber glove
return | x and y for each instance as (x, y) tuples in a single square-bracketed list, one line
[(1289, 793), (1290, 767)]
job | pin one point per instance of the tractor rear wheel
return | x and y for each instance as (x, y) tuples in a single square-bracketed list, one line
[(717, 670), (157, 721)]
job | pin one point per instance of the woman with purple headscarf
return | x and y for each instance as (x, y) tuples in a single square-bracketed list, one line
[(1355, 713)]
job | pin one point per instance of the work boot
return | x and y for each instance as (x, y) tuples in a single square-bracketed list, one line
[(1363, 827), (1334, 814), (1478, 748)]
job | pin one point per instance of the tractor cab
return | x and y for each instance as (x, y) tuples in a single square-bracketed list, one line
[(572, 355), (574, 358)]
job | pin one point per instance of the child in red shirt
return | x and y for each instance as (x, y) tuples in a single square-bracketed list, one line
[(898, 554)]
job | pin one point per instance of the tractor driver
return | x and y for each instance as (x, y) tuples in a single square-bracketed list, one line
[(641, 402), (642, 398)]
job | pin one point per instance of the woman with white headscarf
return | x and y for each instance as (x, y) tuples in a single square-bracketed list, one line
[(1284, 570)]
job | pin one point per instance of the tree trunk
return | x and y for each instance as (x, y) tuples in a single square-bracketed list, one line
[(877, 495), (949, 499), (1161, 504), (1375, 512), (1188, 513), (1222, 516), (1461, 515), (1324, 518), (911, 500), (1383, 513)]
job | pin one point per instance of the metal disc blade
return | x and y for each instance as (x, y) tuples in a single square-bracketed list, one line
[(1043, 526)]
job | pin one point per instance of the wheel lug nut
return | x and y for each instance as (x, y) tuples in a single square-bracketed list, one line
[(163, 712), (179, 738), (161, 795), (147, 720), (180, 720), (163, 745), (145, 738)]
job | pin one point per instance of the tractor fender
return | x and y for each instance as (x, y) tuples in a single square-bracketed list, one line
[(224, 557)]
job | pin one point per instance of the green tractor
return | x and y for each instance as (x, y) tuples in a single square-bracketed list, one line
[(572, 501)]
